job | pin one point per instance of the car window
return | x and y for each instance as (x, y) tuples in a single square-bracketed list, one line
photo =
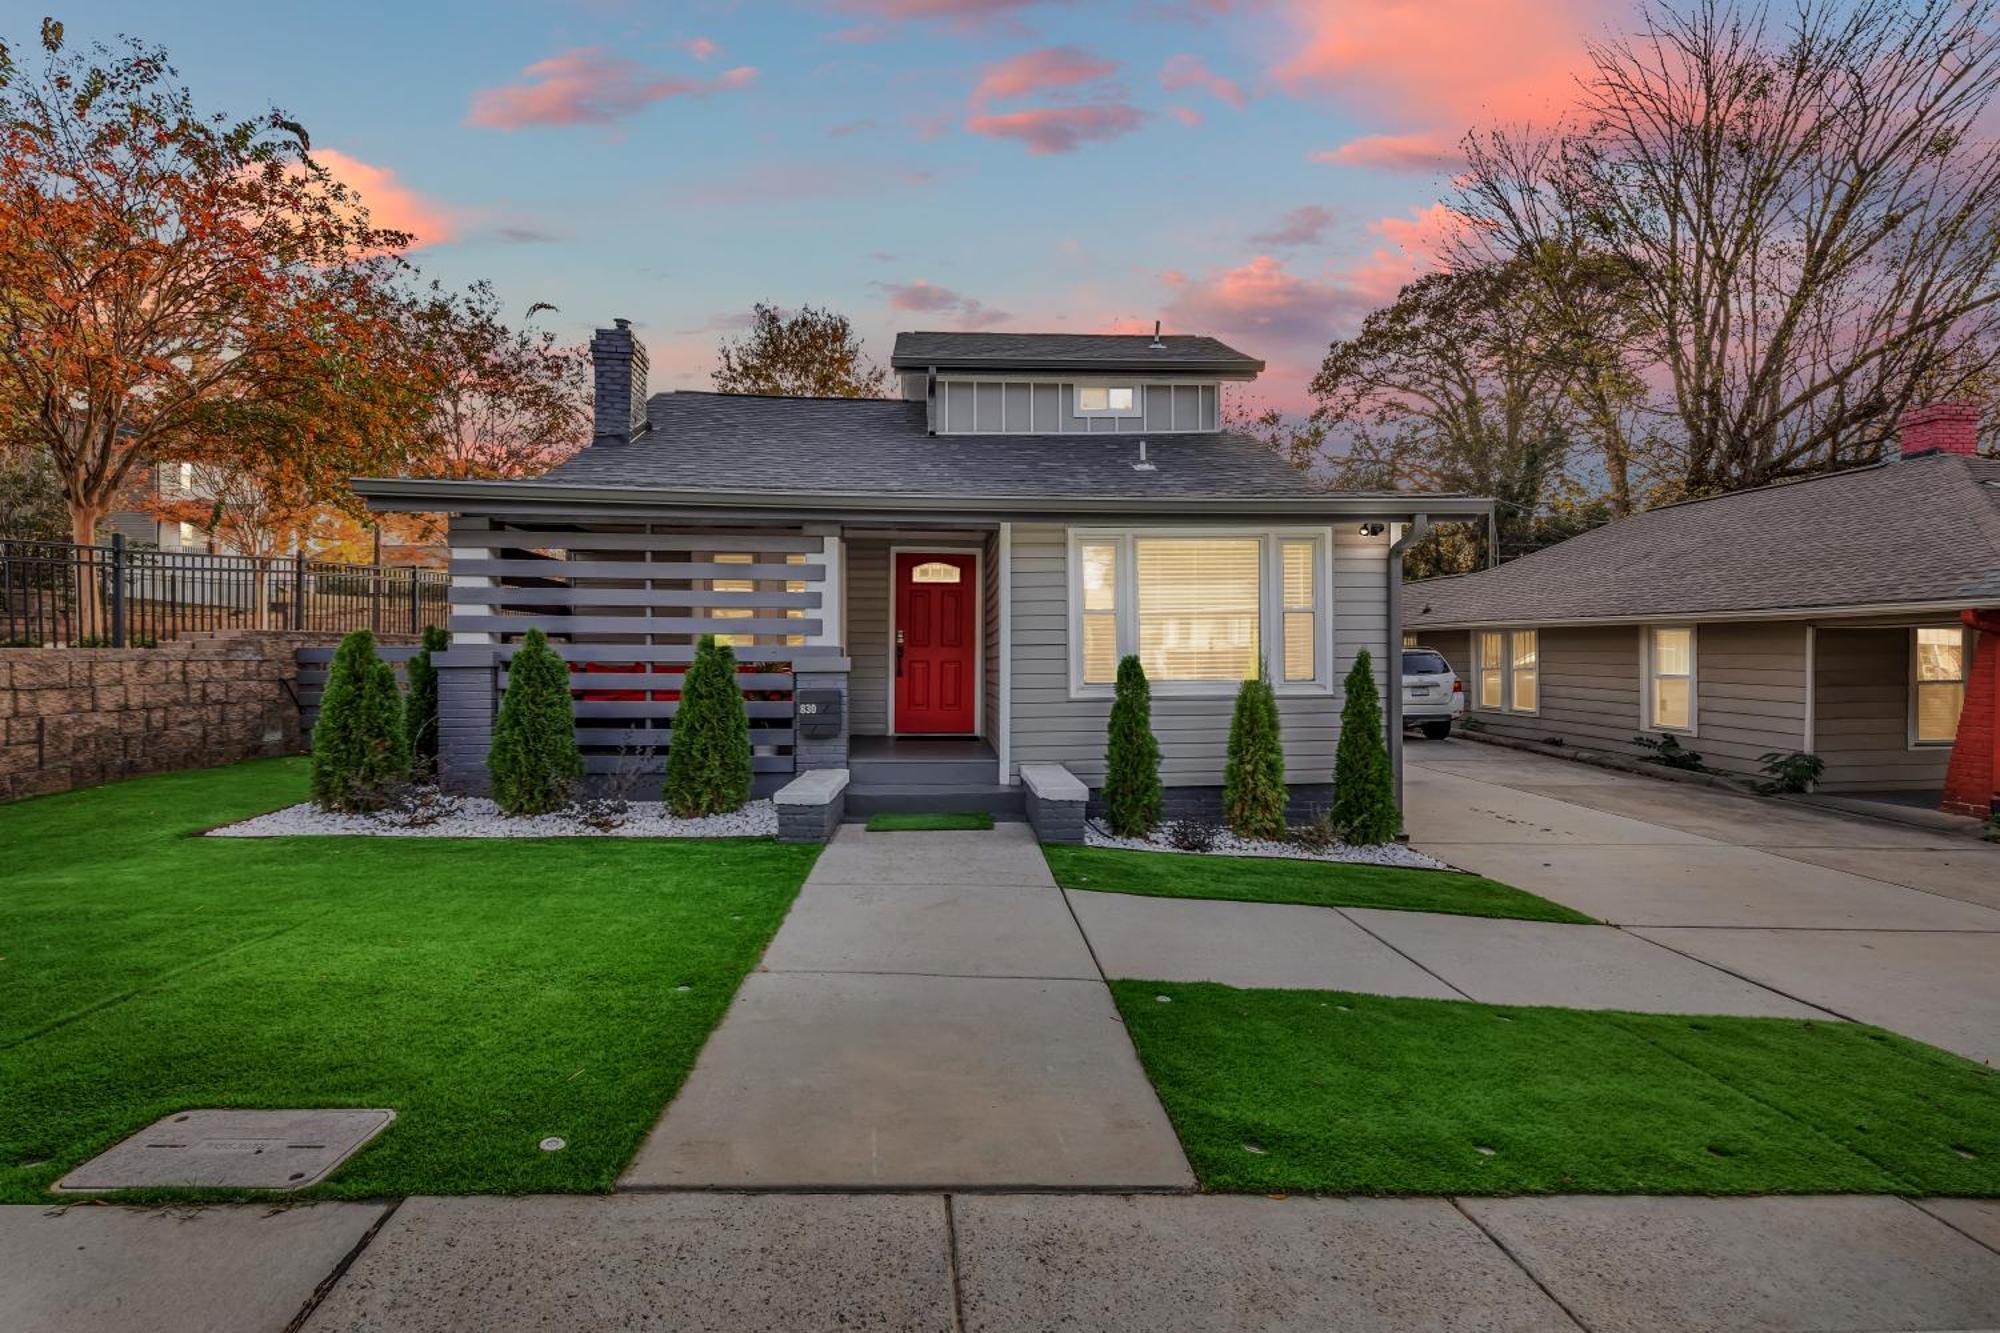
[(1424, 664)]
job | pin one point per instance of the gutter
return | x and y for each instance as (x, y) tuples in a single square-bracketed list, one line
[(1393, 658), (410, 495), (1843, 610), (1246, 369)]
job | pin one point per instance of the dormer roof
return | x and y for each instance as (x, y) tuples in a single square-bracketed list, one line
[(1074, 353)]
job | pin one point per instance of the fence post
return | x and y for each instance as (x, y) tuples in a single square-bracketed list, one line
[(375, 587), (416, 590), (299, 589), (117, 590)]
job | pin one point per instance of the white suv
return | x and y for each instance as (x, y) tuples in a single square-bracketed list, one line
[(1432, 693)]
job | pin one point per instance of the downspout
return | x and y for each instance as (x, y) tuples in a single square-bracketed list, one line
[(1393, 668)]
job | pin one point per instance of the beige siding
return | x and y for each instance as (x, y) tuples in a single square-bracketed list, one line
[(1051, 727), (1750, 693), (1589, 687), (868, 635), (1863, 727)]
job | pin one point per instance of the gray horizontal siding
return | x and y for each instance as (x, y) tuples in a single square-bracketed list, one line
[(1048, 726), (1863, 726), (868, 635)]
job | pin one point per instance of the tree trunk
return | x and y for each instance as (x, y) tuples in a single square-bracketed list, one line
[(91, 619)]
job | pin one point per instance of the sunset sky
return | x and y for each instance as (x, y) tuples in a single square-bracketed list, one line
[(1262, 171)]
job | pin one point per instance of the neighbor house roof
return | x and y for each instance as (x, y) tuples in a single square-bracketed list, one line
[(1919, 531), (1100, 352)]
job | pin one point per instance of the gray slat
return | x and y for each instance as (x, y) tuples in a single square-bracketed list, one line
[(675, 539), (633, 625), (635, 569), (590, 595)]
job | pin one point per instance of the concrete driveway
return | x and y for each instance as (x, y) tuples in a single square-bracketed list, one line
[(1876, 922)]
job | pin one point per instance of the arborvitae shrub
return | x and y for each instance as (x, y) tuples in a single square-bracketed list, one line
[(1253, 779), (534, 762), (1132, 756), (1364, 783), (360, 753), (708, 754), (420, 711)]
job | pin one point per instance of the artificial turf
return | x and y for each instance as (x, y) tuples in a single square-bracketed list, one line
[(1265, 879), (491, 992), (1326, 1091), (919, 823)]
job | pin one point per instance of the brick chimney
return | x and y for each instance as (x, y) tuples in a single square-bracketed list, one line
[(1940, 428), (618, 363)]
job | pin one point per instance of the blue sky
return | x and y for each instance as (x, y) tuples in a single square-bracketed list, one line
[(1256, 169)]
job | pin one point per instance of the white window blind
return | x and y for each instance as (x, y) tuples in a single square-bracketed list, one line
[(1671, 692), (1939, 679), (1524, 671), (1198, 607), (1491, 655), (1100, 612), (1300, 562)]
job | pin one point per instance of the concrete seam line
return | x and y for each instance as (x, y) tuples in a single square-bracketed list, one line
[(1519, 1263), (1088, 946), (1748, 981), (951, 1266), (1779, 852), (1437, 976), (1948, 1224), (327, 1284)]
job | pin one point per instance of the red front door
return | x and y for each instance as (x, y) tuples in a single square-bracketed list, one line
[(936, 670)]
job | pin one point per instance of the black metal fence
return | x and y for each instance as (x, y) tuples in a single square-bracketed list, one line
[(55, 594)]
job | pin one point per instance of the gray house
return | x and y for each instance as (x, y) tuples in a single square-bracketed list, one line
[(930, 592), (1836, 616)]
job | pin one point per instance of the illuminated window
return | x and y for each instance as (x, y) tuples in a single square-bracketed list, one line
[(1937, 677), (1107, 400), (935, 571), (1670, 697), (1523, 671), (1201, 612), (1506, 668)]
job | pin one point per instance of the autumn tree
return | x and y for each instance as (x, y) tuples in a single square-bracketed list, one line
[(1808, 204), (810, 354), (180, 286)]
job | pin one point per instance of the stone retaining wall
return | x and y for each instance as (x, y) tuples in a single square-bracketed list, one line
[(74, 717)]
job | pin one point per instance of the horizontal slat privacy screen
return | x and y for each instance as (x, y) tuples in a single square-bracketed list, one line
[(625, 603)]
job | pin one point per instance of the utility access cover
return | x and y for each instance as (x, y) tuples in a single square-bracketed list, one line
[(256, 1150)]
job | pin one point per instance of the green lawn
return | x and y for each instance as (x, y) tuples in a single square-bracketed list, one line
[(893, 823), (1264, 879), (1325, 1091), (491, 992)]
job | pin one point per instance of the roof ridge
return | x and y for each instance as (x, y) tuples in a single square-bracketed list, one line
[(1987, 516), (781, 397)]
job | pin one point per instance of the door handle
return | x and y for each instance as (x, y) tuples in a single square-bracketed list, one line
[(899, 652)]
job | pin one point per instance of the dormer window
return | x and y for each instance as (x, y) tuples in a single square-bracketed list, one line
[(1107, 400)]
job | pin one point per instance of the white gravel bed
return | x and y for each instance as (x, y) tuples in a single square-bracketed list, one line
[(1228, 844), (477, 817)]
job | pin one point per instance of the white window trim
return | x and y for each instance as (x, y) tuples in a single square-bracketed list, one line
[(1077, 409), (1506, 672), (1646, 722), (1965, 665), (1270, 607)]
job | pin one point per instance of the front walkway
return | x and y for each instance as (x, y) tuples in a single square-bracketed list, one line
[(928, 1015)]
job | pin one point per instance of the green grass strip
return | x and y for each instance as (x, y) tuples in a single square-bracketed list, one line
[(965, 823), (1331, 1092), (1264, 879), (492, 992)]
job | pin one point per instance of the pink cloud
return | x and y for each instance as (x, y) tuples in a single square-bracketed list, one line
[(588, 86), (1423, 237), (390, 203), (1305, 225), (1038, 71), (1185, 71), (1059, 129), (929, 298), (1424, 151), (701, 48), (1186, 115)]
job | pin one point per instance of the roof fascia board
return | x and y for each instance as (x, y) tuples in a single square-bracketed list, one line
[(1228, 370), (1841, 612)]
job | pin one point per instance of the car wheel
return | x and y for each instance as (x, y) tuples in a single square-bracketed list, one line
[(1436, 731)]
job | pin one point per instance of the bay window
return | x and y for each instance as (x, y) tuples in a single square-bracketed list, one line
[(1201, 610), (1507, 673), (1670, 690), (1937, 684)]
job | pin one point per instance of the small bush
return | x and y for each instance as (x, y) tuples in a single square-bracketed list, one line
[(420, 712), (1790, 772), (1132, 756), (1317, 835), (1364, 781), (1253, 777), (534, 761), (360, 754), (708, 754), (1191, 835), (1668, 752)]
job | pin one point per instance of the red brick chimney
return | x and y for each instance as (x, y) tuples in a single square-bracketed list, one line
[(1940, 428)]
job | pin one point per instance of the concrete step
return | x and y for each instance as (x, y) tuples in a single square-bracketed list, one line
[(933, 798), (904, 772)]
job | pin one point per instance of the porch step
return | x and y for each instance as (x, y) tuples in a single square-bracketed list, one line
[(935, 798), (922, 772)]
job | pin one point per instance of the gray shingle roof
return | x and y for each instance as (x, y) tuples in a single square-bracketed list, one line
[(736, 442), (1920, 530), (1069, 351)]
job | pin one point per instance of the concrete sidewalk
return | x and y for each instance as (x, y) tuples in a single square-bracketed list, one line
[(928, 1015), (1113, 1263)]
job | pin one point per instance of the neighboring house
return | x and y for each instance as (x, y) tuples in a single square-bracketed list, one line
[(150, 490), (1833, 616), (948, 580)]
